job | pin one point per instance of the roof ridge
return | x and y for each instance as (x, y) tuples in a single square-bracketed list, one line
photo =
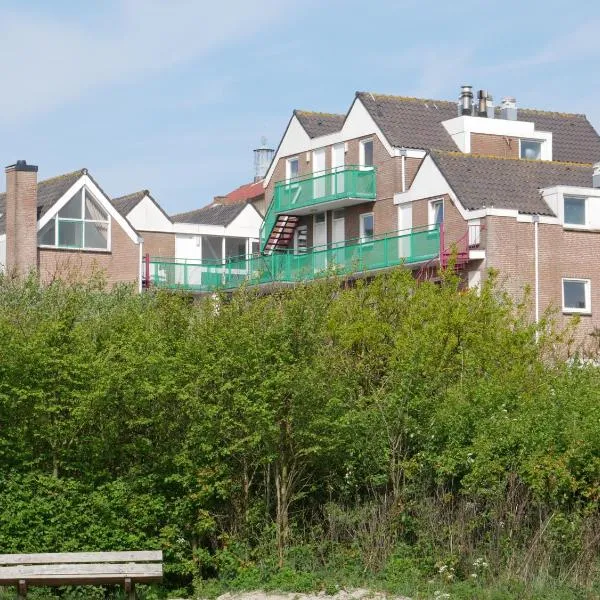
[(299, 111), (80, 171), (144, 192), (454, 102), (511, 158)]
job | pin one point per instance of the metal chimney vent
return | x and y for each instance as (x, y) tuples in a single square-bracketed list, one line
[(596, 176), (465, 104), (508, 109)]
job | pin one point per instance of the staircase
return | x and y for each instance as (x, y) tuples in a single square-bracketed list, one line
[(456, 253), (281, 234)]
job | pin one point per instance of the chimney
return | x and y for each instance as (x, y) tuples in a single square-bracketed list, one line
[(508, 109), (21, 218), (596, 176), (465, 104), (482, 95), (490, 107)]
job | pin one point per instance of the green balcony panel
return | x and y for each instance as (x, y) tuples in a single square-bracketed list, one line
[(341, 183), (346, 258)]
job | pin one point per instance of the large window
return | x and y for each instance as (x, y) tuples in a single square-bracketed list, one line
[(212, 248), (576, 296), (531, 149), (367, 227), (366, 153), (235, 247), (81, 223), (574, 211)]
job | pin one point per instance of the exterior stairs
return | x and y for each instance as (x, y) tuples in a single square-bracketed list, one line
[(282, 233)]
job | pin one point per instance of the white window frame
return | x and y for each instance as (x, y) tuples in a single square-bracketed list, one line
[(288, 169), (587, 310), (361, 228), (540, 142), (431, 212), (55, 218), (585, 207), (361, 154)]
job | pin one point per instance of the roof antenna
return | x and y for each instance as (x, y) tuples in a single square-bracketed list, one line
[(372, 97)]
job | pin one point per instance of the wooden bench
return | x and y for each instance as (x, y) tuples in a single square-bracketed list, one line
[(80, 568)]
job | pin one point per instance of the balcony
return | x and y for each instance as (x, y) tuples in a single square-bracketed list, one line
[(327, 190), (408, 247)]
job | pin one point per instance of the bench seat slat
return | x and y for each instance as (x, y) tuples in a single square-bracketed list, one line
[(80, 557), (80, 573)]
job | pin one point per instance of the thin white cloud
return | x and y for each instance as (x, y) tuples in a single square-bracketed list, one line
[(48, 61)]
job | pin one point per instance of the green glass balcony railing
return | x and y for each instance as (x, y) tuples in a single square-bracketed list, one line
[(317, 188), (346, 258)]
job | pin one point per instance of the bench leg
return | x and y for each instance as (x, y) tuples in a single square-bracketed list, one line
[(129, 587), (22, 590)]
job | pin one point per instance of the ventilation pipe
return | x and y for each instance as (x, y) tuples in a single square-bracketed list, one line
[(482, 95), (465, 106), (490, 107)]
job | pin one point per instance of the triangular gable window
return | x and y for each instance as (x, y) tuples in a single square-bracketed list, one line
[(81, 223)]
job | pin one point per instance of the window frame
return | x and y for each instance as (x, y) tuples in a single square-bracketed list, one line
[(361, 154), (361, 228), (585, 225), (539, 142), (587, 310), (431, 212), (288, 162), (56, 219)]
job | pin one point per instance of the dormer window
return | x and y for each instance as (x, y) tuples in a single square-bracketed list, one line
[(81, 224), (575, 211), (531, 149)]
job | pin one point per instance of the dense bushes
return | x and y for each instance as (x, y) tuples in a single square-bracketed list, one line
[(407, 436)]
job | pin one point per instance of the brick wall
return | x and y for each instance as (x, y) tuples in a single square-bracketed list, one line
[(121, 264), (562, 253), (158, 244), (494, 145), (455, 227)]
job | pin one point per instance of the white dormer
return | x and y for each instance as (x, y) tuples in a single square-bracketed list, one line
[(536, 145), (577, 208)]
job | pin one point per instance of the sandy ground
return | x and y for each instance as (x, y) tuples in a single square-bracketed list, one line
[(341, 595)]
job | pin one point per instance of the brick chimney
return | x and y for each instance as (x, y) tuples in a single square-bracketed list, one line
[(21, 218)]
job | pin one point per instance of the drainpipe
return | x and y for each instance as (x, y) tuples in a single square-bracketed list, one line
[(536, 259), (141, 246), (403, 155)]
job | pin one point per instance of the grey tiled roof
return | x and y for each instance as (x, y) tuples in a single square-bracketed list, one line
[(417, 123), (481, 181), (213, 214), (48, 192), (317, 123), (125, 204)]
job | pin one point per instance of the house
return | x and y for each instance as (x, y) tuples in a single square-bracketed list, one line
[(420, 183), (65, 227)]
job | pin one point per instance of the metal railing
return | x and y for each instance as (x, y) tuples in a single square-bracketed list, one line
[(317, 188), (345, 258)]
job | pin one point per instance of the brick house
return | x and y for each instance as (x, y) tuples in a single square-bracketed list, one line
[(67, 227), (411, 181), (415, 182)]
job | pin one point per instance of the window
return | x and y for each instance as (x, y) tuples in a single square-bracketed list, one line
[(81, 223), (301, 239), (292, 167), (366, 153), (576, 296), (531, 149), (436, 213), (254, 248), (367, 227), (574, 210), (235, 247), (212, 248)]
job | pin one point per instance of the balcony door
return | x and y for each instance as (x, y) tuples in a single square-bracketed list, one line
[(319, 178), (337, 167), (338, 236), (320, 241)]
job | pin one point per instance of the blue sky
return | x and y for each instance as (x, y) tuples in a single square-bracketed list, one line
[(173, 95)]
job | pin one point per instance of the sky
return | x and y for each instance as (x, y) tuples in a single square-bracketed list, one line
[(173, 95)]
